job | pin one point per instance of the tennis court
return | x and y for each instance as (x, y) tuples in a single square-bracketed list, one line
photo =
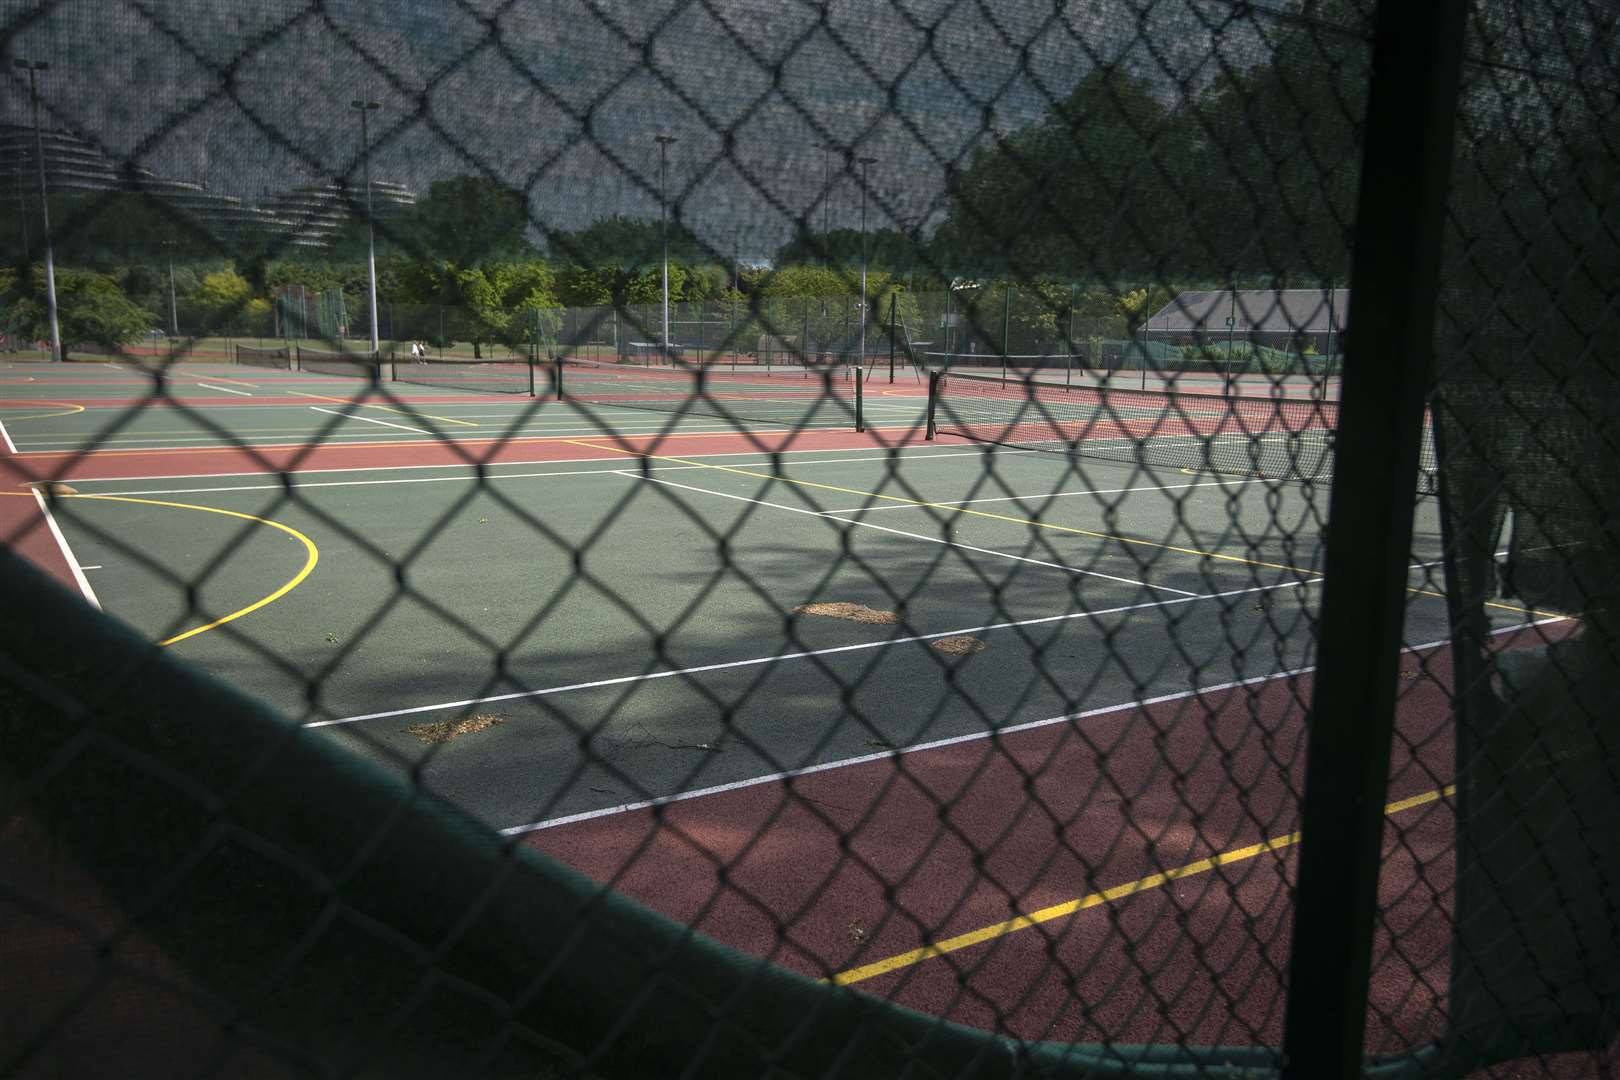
[(563, 614)]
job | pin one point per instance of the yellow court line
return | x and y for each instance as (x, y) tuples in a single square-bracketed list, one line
[(388, 408), (959, 510), (1096, 899), (68, 409), (312, 556)]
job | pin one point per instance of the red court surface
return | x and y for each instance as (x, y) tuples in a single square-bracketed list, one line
[(69, 465), (952, 842)]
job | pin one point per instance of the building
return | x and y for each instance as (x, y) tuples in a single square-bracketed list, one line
[(1291, 320), (313, 216), (308, 217)]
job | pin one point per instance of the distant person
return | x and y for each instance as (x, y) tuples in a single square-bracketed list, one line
[(416, 352)]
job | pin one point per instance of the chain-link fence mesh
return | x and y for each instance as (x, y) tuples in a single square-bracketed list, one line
[(713, 539)]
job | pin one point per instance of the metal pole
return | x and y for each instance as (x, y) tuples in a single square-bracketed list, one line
[(894, 299), (365, 107), (1327, 361), (663, 211), (22, 208), (1068, 341), (1006, 325), (1231, 329), (865, 162), (174, 310), (826, 200), (33, 68), (1406, 153)]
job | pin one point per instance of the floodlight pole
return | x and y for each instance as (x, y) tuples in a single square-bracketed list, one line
[(174, 310), (22, 209), (364, 107), (826, 202), (33, 67), (1231, 331), (865, 161), (664, 139)]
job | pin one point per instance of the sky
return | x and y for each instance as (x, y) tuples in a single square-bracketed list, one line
[(562, 98)]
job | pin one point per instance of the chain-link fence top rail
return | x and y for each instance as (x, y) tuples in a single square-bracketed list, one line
[(638, 731)]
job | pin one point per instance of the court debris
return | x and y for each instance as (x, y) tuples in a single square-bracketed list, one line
[(843, 609), (443, 731), (958, 645)]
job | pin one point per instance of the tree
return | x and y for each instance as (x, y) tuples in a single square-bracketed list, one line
[(219, 300), (628, 243), (890, 249), (91, 309), (466, 221)]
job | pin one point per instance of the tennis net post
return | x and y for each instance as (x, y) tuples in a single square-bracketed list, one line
[(930, 428)]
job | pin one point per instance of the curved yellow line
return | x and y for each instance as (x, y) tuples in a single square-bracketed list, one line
[(70, 410), (291, 584)]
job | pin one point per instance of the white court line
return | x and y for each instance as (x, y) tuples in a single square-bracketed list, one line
[(955, 740), (224, 389), (133, 441), (728, 665), (613, 465), (441, 438), (365, 419), (917, 536), (1050, 495), (11, 447), (67, 552), (614, 470)]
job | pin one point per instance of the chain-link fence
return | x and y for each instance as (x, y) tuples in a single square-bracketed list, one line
[(964, 539)]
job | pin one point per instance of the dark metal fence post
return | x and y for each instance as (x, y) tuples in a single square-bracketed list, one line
[(894, 305), (1407, 140), (930, 429)]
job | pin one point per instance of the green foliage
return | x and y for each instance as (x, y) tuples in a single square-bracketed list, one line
[(219, 301), (91, 309), (629, 244), (890, 249), (1132, 306), (467, 221), (807, 281)]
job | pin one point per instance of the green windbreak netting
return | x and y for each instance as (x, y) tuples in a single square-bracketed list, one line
[(724, 539)]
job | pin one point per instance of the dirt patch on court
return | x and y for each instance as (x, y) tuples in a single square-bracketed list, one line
[(443, 731), (843, 609), (958, 645)]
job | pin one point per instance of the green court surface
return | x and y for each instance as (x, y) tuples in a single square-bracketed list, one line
[(641, 603)]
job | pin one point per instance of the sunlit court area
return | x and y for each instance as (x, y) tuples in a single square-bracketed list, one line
[(1006, 540)]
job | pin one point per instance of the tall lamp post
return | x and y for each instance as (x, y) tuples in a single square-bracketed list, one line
[(864, 162), (664, 139), (364, 107), (174, 308), (33, 67), (826, 201)]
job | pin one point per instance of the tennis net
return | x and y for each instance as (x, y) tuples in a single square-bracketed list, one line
[(480, 376), (266, 358), (1283, 438), (944, 361), (348, 365), (795, 397)]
